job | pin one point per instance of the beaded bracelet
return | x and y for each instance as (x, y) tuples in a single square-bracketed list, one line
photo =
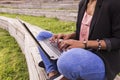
[(99, 45)]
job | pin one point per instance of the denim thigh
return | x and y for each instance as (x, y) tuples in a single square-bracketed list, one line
[(80, 63)]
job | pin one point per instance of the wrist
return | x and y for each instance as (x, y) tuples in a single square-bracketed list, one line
[(85, 44)]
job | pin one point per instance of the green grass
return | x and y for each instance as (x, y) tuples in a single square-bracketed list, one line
[(12, 61), (50, 24)]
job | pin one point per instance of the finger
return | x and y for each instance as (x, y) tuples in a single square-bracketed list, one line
[(66, 47), (65, 37), (60, 36), (68, 42), (61, 45), (53, 38), (69, 47)]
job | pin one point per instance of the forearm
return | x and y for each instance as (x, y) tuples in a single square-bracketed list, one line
[(94, 44)]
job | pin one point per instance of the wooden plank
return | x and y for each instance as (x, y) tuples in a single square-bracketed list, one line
[(30, 61), (4, 24), (41, 73)]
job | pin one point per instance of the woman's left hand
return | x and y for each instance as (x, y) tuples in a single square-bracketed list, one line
[(68, 44)]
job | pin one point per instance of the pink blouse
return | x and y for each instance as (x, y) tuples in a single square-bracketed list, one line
[(85, 26)]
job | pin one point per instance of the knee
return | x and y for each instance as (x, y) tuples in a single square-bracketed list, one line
[(67, 63), (69, 59), (63, 63), (44, 35)]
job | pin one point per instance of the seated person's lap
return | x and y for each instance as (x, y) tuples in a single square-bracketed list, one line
[(81, 63)]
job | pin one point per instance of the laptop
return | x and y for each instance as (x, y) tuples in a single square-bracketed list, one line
[(50, 49)]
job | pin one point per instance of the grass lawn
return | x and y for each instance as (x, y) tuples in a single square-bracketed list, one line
[(51, 24), (12, 62)]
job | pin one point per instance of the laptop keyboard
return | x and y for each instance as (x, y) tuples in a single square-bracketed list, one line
[(53, 47)]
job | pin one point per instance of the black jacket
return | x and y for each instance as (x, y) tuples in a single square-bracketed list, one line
[(105, 25)]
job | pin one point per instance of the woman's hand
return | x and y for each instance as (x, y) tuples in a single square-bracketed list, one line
[(68, 44), (57, 37)]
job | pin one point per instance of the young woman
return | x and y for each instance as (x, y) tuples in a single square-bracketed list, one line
[(92, 51)]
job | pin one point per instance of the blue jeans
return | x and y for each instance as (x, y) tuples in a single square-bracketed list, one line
[(76, 63), (50, 65)]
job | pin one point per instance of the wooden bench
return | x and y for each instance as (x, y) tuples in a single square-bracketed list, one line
[(28, 46)]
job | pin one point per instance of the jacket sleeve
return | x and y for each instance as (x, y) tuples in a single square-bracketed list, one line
[(113, 43)]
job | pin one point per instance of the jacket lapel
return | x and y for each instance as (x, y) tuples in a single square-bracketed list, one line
[(80, 15), (82, 10), (95, 16)]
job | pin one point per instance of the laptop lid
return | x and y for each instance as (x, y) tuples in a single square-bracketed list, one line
[(49, 50)]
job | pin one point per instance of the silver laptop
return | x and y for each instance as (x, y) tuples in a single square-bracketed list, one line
[(50, 49)]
